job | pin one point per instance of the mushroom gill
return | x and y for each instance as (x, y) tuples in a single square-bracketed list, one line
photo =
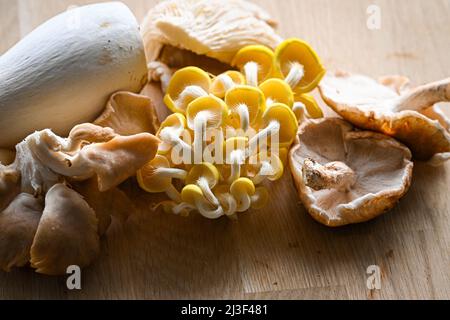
[(345, 176)]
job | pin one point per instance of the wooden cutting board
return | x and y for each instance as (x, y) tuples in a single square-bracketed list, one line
[(280, 252)]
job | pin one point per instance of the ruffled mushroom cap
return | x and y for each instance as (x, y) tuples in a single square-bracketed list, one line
[(69, 229), (107, 204), (67, 233), (370, 105), (214, 28), (345, 176), (128, 114), (18, 225)]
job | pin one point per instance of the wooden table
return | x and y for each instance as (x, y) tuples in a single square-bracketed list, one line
[(281, 252)]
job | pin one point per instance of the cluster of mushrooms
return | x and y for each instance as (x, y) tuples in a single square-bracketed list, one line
[(58, 197), (59, 192), (266, 96)]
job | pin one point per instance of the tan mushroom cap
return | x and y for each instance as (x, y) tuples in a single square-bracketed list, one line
[(128, 114), (366, 173), (215, 28), (376, 106), (67, 233), (18, 225)]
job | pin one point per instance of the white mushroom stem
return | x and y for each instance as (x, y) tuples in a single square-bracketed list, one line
[(265, 171), (178, 209), (231, 204), (334, 175), (244, 116), (226, 82), (171, 136), (299, 110), (159, 71), (173, 193), (244, 202), (200, 122), (203, 183), (172, 173), (295, 75), (251, 73), (236, 160), (203, 207), (425, 96), (269, 102), (193, 92), (273, 128)]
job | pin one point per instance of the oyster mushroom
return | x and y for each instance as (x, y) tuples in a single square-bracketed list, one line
[(156, 177), (225, 82), (68, 231), (370, 105), (204, 113), (298, 64), (345, 176), (128, 114), (242, 190), (255, 62), (193, 197), (185, 86), (212, 28), (173, 127), (18, 225), (206, 176), (246, 104)]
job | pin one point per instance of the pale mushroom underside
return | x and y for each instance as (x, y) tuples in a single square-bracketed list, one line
[(382, 167), (217, 29)]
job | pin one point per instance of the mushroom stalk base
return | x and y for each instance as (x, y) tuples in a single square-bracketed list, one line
[(333, 175)]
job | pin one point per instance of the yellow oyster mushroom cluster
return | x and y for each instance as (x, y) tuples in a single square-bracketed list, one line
[(253, 112)]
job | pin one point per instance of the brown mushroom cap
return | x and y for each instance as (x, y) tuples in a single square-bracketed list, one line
[(380, 171), (380, 107), (67, 233), (128, 113), (18, 225)]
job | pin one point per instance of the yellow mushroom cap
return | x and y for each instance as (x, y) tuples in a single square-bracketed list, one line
[(286, 118), (177, 121), (298, 51), (149, 180), (217, 87), (311, 105), (260, 198), (252, 97), (190, 76), (278, 91), (242, 187), (203, 170), (216, 108), (191, 194), (259, 54)]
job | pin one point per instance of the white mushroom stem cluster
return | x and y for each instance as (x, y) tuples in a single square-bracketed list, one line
[(44, 221)]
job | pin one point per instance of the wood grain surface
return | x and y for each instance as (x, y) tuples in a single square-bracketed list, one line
[(280, 252)]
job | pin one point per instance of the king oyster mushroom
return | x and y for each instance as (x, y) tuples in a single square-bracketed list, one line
[(94, 160), (390, 107), (345, 176)]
